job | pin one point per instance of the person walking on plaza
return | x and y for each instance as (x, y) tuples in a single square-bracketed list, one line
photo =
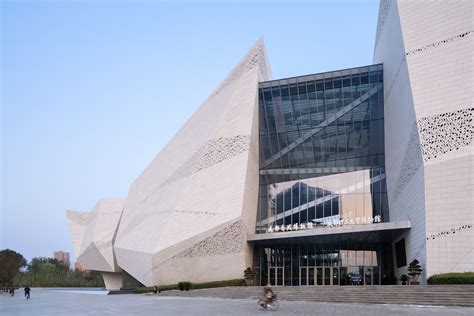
[(12, 291), (27, 292)]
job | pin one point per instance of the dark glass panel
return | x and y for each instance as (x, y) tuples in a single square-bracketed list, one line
[(263, 127), (302, 88), (346, 81), (328, 84), (267, 94), (293, 90), (373, 76), (364, 78), (276, 92), (313, 107), (319, 211), (265, 142), (401, 253), (284, 91), (319, 85), (355, 79)]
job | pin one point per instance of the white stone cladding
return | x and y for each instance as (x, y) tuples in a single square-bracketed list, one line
[(187, 215), (112, 280), (426, 48), (93, 235), (77, 222)]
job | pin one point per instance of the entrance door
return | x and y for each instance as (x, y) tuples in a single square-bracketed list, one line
[(335, 276), (276, 275), (304, 275), (319, 276), (307, 276), (327, 276), (311, 276)]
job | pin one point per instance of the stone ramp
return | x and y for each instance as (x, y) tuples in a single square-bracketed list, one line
[(447, 295)]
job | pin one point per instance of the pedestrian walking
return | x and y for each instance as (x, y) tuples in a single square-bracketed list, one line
[(27, 292)]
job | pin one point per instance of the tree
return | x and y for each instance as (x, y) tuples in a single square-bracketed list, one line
[(49, 272), (414, 270), (10, 262), (37, 264), (249, 276), (404, 279)]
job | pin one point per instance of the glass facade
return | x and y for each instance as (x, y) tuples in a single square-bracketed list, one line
[(312, 262), (321, 164)]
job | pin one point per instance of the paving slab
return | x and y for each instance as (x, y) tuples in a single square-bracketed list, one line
[(79, 302)]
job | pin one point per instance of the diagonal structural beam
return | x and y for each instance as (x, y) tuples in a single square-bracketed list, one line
[(324, 124)]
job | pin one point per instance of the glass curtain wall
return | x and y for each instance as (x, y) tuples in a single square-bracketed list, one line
[(310, 263), (322, 150), (322, 164)]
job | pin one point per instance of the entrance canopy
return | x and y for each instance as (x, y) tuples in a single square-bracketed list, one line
[(381, 232)]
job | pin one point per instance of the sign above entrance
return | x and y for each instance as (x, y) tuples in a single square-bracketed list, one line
[(334, 222)]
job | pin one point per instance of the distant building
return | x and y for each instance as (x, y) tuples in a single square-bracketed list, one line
[(80, 268), (62, 256)]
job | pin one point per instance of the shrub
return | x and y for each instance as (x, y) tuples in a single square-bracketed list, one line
[(184, 285), (205, 285), (160, 288), (404, 279), (248, 274), (168, 287), (414, 270), (194, 286), (142, 290), (452, 278)]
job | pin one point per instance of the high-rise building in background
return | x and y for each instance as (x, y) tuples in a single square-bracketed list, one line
[(62, 256), (335, 178)]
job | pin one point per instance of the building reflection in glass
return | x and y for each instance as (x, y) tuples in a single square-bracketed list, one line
[(320, 199)]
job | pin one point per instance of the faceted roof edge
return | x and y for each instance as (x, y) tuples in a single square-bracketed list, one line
[(256, 56), (322, 75)]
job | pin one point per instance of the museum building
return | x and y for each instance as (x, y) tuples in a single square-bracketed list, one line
[(336, 178)]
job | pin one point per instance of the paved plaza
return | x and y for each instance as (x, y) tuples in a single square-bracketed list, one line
[(71, 303)]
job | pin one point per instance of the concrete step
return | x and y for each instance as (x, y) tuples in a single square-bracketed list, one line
[(458, 295)]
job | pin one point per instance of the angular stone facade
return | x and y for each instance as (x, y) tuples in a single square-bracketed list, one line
[(198, 191), (426, 49)]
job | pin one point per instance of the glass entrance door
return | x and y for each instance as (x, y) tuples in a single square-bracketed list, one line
[(319, 276), (307, 276), (304, 275), (311, 276), (276, 275)]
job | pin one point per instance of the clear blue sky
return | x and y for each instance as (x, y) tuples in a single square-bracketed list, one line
[(92, 90)]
